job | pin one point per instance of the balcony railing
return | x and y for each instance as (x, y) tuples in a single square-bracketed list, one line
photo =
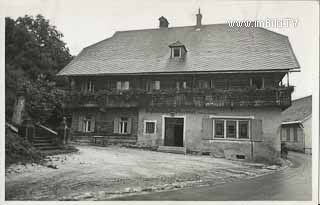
[(246, 97)]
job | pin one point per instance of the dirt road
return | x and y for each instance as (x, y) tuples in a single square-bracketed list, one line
[(99, 173)]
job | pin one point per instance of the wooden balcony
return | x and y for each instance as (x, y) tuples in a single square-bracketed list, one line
[(247, 97)]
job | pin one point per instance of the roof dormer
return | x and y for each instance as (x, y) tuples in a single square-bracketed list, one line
[(177, 50)]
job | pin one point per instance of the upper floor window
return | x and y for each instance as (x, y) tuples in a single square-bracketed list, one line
[(88, 86), (257, 83), (204, 84), (181, 85), (153, 85), (123, 85)]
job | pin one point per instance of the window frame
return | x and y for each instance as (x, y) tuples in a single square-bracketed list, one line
[(85, 124), (88, 86), (237, 119), (122, 84), (176, 49), (122, 128), (145, 127)]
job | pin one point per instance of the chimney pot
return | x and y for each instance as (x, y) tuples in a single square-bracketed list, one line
[(163, 22), (199, 17)]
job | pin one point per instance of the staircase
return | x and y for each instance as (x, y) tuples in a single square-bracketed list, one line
[(172, 149), (44, 138)]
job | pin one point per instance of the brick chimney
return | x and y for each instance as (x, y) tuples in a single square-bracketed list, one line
[(199, 17), (163, 22)]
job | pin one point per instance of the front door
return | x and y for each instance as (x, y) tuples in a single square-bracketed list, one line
[(173, 132)]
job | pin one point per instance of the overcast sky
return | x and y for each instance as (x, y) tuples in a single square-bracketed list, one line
[(86, 22)]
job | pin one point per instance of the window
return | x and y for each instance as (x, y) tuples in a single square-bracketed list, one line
[(123, 85), (88, 86), (231, 129), (181, 85), (257, 83), (86, 124), (149, 127), (243, 129), (123, 125), (295, 134), (219, 128), (288, 133), (203, 84), (153, 85), (176, 52)]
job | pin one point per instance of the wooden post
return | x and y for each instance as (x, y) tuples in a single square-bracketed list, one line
[(288, 79)]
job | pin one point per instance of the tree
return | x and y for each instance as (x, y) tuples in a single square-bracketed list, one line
[(33, 47), (44, 99)]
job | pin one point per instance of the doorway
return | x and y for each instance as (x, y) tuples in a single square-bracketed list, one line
[(173, 131)]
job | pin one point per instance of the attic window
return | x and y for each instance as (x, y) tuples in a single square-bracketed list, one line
[(177, 49), (176, 52)]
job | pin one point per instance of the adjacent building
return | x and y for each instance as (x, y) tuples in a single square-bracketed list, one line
[(296, 125), (203, 88)]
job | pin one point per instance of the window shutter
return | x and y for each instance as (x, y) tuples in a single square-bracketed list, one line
[(129, 125), (80, 123), (93, 122), (256, 127), (207, 129), (116, 125)]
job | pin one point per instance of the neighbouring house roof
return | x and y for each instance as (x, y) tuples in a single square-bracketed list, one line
[(300, 110), (213, 48)]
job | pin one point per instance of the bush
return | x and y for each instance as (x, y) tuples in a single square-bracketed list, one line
[(19, 150)]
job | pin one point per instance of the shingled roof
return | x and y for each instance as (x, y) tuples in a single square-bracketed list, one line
[(299, 110), (216, 47)]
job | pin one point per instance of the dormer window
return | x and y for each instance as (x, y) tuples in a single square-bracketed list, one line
[(178, 50)]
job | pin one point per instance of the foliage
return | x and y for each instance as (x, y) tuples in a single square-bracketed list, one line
[(44, 99), (19, 150), (33, 47)]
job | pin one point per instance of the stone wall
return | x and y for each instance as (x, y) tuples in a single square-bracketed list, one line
[(266, 150)]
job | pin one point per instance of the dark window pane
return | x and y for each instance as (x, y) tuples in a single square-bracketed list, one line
[(295, 134), (243, 129), (176, 52), (150, 127), (231, 129), (219, 128), (288, 134)]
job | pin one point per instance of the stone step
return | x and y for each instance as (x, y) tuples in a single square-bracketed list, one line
[(172, 149), (48, 147), (42, 144), (115, 141)]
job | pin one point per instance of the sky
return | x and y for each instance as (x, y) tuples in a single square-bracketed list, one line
[(86, 22)]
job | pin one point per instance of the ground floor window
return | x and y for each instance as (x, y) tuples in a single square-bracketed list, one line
[(231, 128), (86, 124), (149, 127), (122, 125), (295, 134)]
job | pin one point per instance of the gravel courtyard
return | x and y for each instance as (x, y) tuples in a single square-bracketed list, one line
[(101, 173)]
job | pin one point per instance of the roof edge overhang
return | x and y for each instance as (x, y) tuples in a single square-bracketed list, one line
[(291, 122), (184, 72)]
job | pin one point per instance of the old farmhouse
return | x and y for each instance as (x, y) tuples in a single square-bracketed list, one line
[(296, 126), (204, 88)]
